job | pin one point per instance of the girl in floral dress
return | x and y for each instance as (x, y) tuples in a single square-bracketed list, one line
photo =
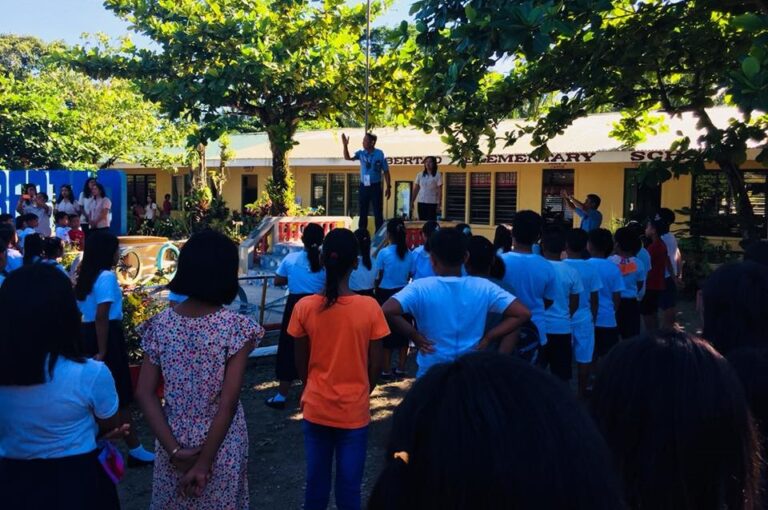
[(201, 350)]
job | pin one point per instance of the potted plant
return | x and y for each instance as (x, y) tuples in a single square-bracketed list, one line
[(138, 307)]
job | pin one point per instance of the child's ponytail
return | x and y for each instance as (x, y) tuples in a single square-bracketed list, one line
[(396, 231), (364, 243), (339, 255), (313, 239)]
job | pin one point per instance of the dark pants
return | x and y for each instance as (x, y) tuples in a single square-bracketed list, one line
[(558, 355), (371, 196), (75, 482), (320, 445), (628, 318), (427, 212), (605, 340)]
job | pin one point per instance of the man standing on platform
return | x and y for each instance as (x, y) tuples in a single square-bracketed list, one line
[(372, 165), (591, 218)]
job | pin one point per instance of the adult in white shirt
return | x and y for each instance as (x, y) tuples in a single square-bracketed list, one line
[(66, 202), (99, 213), (53, 401), (86, 201), (150, 211), (428, 191)]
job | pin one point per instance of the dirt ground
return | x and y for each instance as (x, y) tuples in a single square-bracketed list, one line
[(276, 457)]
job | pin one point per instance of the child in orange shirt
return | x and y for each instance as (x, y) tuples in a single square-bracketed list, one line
[(338, 357)]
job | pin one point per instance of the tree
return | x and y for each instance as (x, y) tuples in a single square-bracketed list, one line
[(63, 119), (637, 57), (247, 65), (57, 118), (21, 56)]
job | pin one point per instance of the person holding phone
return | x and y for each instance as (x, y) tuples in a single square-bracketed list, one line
[(373, 167), (32, 202)]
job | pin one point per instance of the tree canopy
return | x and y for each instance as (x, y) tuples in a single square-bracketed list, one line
[(633, 56), (247, 65), (57, 118)]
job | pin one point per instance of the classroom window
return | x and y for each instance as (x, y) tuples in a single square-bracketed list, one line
[(250, 189), (506, 197), (336, 193), (353, 195), (641, 200), (714, 211), (480, 198), (319, 191), (336, 189), (455, 196), (139, 186), (553, 208)]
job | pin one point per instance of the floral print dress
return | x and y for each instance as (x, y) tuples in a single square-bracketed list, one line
[(192, 354)]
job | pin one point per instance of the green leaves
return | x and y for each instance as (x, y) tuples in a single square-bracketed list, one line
[(750, 66)]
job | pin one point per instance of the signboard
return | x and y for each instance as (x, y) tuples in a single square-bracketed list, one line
[(50, 181)]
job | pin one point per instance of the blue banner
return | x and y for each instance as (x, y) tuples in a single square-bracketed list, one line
[(50, 181)]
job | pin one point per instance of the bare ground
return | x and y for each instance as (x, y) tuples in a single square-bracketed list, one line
[(276, 457)]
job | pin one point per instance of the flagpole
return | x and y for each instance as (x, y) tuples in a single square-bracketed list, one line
[(368, 66)]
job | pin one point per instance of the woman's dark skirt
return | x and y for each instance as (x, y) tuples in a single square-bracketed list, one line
[(77, 482), (116, 359), (286, 362), (427, 212), (394, 340)]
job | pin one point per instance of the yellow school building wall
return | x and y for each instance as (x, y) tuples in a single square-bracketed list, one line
[(603, 179)]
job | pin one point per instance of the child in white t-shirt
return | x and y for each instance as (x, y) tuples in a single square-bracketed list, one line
[(363, 278), (532, 277), (633, 272), (62, 226), (558, 352), (600, 246), (421, 266), (393, 266), (452, 310), (583, 321)]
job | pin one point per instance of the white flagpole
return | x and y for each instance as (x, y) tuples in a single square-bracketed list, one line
[(368, 67)]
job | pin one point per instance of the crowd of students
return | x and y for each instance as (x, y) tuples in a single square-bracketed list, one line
[(669, 421)]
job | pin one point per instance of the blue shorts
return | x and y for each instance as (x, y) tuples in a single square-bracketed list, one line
[(668, 296)]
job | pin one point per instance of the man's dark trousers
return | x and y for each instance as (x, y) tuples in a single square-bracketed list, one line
[(371, 196)]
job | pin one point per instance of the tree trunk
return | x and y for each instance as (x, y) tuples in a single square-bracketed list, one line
[(200, 173), (744, 210), (280, 191)]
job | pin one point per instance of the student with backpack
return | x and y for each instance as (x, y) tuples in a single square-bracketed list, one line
[(338, 354), (452, 310)]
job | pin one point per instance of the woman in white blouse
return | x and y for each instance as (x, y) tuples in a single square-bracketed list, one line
[(99, 212), (86, 200), (428, 191), (65, 201)]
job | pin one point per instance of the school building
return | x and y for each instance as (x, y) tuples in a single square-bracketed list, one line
[(585, 159)]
